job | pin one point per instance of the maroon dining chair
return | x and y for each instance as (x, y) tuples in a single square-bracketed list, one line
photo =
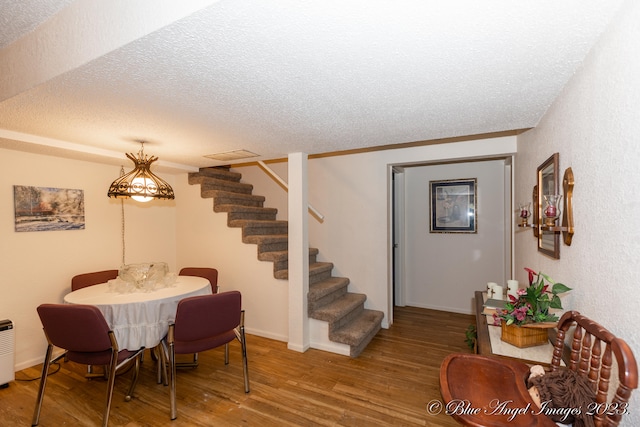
[(83, 332), (203, 323), (211, 274), (89, 279)]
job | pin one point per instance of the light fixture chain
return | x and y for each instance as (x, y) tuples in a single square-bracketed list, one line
[(122, 208), (122, 218)]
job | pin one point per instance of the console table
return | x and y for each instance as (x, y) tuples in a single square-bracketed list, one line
[(489, 343)]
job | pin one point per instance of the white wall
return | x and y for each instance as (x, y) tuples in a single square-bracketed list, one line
[(440, 268), (37, 267), (353, 193), (594, 125)]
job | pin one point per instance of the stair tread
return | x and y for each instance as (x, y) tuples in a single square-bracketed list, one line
[(315, 268), (209, 193), (318, 266), (266, 238), (215, 183), (354, 333), (222, 173), (337, 309), (280, 255), (261, 222), (320, 289), (243, 209)]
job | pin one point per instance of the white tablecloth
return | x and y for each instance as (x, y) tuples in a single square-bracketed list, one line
[(140, 319)]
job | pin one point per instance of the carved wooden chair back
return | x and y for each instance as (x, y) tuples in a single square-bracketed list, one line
[(593, 353)]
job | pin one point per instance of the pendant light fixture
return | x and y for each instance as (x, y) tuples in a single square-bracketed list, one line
[(141, 184)]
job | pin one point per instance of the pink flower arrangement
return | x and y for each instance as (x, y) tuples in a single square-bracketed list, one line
[(533, 303)]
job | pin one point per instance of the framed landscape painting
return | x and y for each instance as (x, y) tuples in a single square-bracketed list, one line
[(48, 209), (453, 206)]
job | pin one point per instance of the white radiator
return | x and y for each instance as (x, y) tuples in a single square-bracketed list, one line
[(7, 340)]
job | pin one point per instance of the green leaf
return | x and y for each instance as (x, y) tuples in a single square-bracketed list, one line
[(531, 298), (547, 278), (543, 306), (539, 317), (509, 321), (555, 302), (559, 288)]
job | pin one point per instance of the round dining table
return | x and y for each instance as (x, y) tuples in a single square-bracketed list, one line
[(139, 319)]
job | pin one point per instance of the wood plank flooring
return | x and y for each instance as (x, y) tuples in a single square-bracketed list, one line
[(390, 383)]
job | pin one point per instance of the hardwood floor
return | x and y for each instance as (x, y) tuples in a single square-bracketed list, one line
[(390, 383)]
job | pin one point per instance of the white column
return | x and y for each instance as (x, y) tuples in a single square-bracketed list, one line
[(298, 253)]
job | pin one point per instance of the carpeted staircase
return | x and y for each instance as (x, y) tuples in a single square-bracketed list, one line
[(328, 299)]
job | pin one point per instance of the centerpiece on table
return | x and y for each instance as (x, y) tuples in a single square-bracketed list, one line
[(143, 277), (525, 319)]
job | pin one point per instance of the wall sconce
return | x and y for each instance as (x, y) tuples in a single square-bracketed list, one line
[(551, 212), (525, 213), (141, 184)]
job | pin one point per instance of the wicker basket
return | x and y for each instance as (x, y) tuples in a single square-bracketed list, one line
[(523, 336)]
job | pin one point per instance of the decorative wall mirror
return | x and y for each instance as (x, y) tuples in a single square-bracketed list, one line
[(548, 185)]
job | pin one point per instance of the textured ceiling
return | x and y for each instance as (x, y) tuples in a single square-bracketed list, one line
[(18, 17), (275, 77)]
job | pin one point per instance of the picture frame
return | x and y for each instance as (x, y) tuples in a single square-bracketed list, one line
[(48, 209), (453, 206), (547, 183)]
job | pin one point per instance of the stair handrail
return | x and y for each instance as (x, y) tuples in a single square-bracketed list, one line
[(282, 182)]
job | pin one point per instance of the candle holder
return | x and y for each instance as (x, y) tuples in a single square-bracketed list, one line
[(525, 213), (551, 210)]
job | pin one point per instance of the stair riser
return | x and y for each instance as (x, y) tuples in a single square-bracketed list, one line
[(319, 276), (273, 247), (219, 182), (231, 187), (347, 318), (357, 349), (327, 299), (266, 216), (254, 201), (284, 263), (218, 173), (264, 230)]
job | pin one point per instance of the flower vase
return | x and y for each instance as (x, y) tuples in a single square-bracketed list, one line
[(526, 335)]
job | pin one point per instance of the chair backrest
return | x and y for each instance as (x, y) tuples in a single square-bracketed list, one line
[(591, 353), (211, 274), (89, 279), (207, 316), (79, 329)]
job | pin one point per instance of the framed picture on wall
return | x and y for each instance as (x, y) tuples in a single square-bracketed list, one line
[(453, 206), (48, 209)]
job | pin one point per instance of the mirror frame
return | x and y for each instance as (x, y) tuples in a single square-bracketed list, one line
[(547, 178)]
